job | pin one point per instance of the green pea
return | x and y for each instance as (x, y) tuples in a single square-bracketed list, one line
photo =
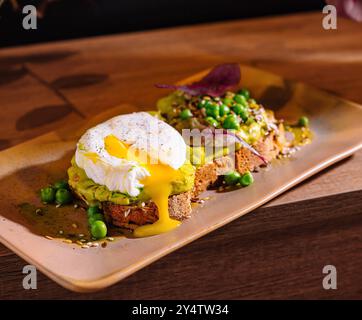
[(47, 195), (232, 178), (228, 101), (91, 220), (303, 122), (185, 114), (98, 229), (92, 210), (95, 217), (61, 185), (241, 111), (224, 110), (213, 111), (246, 179), (245, 92), (240, 99), (201, 104), (208, 103), (231, 122), (98, 216), (63, 196), (212, 122)]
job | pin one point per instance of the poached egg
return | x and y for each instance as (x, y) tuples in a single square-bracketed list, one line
[(132, 152)]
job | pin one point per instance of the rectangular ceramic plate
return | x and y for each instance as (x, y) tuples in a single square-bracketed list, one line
[(336, 124)]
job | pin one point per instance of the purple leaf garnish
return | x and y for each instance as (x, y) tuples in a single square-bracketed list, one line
[(351, 9), (215, 83)]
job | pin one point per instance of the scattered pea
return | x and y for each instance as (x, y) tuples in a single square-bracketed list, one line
[(208, 103), (231, 122), (228, 101), (201, 104), (211, 121), (240, 99), (47, 195), (98, 216), (303, 121), (99, 229), (92, 210), (232, 178), (63, 196), (224, 110), (245, 92), (241, 111), (213, 111), (61, 185), (246, 179), (185, 114), (94, 218)]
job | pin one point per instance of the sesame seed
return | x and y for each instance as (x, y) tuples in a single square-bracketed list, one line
[(61, 231), (58, 205), (38, 211), (80, 235), (143, 204), (95, 244), (75, 206), (84, 246), (68, 241), (49, 237), (74, 226), (126, 213), (110, 239)]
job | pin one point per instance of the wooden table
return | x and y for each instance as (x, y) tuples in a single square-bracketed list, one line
[(277, 251)]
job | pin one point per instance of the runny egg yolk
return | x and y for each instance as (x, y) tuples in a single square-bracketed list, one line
[(157, 186)]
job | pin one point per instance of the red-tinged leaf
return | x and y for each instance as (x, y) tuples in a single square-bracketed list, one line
[(215, 83)]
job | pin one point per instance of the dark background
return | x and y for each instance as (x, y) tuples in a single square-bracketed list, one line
[(64, 19)]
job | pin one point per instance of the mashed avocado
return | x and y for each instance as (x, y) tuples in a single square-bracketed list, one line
[(93, 193), (230, 111)]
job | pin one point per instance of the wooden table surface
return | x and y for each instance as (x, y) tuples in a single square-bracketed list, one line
[(277, 251)]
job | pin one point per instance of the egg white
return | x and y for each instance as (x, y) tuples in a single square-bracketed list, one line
[(142, 132)]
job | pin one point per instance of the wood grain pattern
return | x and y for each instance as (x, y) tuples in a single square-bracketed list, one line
[(279, 250), (271, 253)]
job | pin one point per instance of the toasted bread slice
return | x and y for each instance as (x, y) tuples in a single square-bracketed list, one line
[(130, 217), (245, 161), (206, 175)]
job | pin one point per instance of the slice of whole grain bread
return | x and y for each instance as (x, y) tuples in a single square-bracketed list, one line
[(179, 207), (206, 175)]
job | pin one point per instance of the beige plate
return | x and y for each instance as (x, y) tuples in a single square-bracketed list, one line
[(27, 167)]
